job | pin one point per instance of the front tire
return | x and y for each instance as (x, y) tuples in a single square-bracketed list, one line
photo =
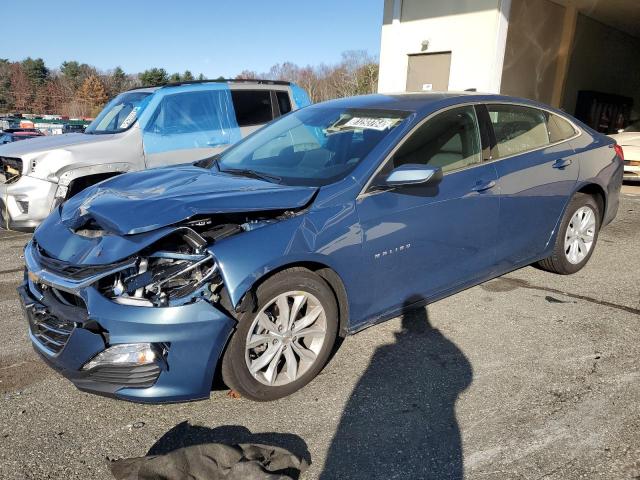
[(576, 238), (284, 344)]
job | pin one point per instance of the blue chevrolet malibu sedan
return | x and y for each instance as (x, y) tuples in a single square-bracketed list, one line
[(331, 219)]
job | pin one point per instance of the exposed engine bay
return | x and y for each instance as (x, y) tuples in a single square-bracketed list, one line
[(179, 268)]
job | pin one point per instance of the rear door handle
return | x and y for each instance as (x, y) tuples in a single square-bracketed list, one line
[(561, 163), (482, 186)]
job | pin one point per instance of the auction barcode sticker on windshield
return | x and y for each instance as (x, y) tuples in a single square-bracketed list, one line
[(129, 119), (370, 122)]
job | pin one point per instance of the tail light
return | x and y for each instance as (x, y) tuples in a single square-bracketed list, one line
[(619, 151)]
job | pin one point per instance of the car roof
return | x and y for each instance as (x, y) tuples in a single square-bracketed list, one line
[(27, 133), (231, 81), (21, 131), (428, 102)]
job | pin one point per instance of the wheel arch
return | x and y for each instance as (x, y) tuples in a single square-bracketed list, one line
[(589, 188), (329, 275), (76, 185), (72, 176), (598, 193)]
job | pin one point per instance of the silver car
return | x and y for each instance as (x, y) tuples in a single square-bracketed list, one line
[(139, 129)]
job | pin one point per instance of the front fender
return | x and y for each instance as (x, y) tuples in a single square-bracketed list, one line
[(330, 239), (71, 172)]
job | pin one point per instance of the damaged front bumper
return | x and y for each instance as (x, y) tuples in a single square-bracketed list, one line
[(70, 322)]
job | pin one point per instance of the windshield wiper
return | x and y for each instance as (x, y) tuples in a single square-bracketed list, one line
[(247, 172)]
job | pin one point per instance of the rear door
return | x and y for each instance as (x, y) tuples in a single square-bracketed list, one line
[(537, 170)]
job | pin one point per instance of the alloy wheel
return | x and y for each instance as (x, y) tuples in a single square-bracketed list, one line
[(580, 234), (285, 338)]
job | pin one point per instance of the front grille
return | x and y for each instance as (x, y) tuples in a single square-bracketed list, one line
[(10, 169), (49, 330), (52, 321), (632, 163), (69, 270)]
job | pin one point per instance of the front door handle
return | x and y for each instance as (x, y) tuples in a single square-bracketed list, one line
[(482, 186), (561, 163)]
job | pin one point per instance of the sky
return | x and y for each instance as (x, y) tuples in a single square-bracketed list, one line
[(216, 37)]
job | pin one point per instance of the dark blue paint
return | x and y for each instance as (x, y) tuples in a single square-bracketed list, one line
[(473, 225), (422, 240), (533, 194)]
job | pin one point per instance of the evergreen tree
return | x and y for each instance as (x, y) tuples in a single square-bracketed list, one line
[(35, 70), (154, 76)]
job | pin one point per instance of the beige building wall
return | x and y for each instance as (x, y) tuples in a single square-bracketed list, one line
[(471, 30), (533, 50)]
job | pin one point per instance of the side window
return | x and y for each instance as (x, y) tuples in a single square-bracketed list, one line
[(559, 128), (253, 107), (518, 128), (450, 140), (187, 112), (283, 102)]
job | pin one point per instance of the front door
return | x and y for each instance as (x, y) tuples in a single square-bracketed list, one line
[(189, 125), (422, 241)]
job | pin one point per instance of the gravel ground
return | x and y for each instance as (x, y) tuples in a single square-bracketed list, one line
[(528, 376)]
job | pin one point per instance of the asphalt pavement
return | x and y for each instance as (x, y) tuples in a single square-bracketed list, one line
[(528, 376)]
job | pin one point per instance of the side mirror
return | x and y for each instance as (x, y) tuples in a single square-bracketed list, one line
[(414, 174)]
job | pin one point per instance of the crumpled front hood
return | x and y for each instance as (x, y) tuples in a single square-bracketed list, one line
[(148, 200), (50, 142)]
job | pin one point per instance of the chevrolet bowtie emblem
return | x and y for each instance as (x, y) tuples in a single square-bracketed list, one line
[(33, 277)]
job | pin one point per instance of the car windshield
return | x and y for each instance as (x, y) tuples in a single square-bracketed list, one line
[(312, 146), (120, 113), (633, 127)]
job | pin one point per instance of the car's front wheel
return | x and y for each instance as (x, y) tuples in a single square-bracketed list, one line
[(284, 344), (577, 236)]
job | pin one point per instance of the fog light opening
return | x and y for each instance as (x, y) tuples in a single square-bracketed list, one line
[(23, 206), (125, 355)]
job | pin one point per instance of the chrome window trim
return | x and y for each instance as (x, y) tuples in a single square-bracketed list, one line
[(364, 193)]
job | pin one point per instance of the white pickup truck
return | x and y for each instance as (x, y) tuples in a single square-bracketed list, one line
[(141, 128)]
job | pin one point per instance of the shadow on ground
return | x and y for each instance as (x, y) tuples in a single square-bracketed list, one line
[(185, 435), (400, 420)]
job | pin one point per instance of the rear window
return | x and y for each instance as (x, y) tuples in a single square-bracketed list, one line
[(518, 129), (253, 107), (283, 102), (559, 128)]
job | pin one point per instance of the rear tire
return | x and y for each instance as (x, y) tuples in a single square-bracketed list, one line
[(576, 238), (267, 359)]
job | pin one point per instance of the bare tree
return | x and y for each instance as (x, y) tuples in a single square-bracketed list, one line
[(355, 74)]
